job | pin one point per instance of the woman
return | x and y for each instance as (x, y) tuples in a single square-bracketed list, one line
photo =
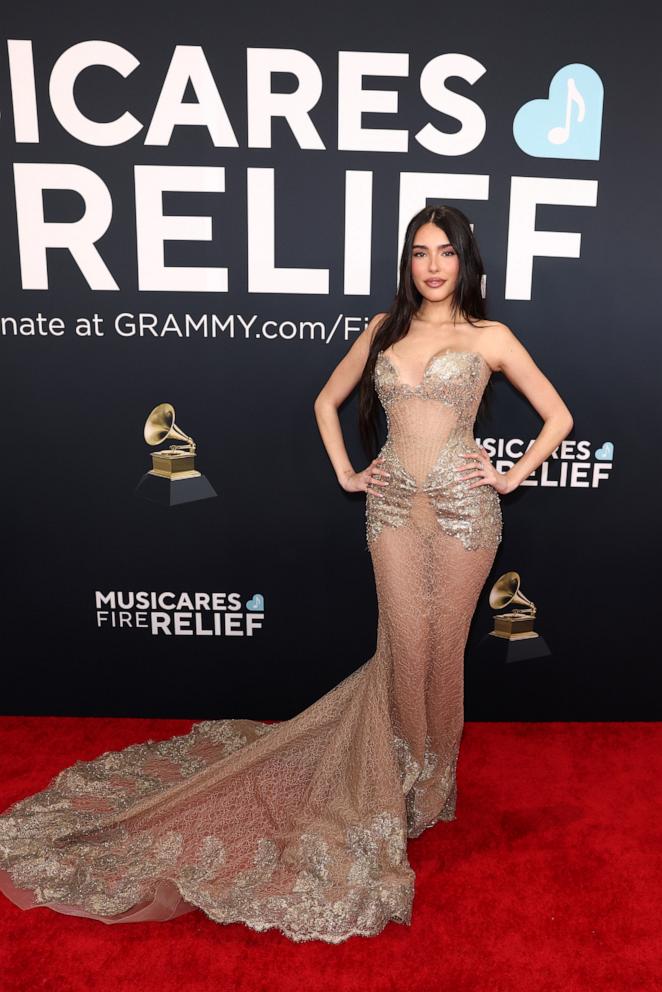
[(303, 825)]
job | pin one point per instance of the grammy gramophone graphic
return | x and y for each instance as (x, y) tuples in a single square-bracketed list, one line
[(517, 624), (513, 637), (173, 478)]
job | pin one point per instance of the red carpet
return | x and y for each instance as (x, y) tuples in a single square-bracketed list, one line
[(548, 881)]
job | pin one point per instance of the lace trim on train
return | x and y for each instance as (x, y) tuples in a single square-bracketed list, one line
[(424, 791), (59, 844), (379, 886)]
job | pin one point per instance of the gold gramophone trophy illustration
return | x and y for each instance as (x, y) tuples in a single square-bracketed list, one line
[(517, 624), (513, 637), (173, 478), (513, 631)]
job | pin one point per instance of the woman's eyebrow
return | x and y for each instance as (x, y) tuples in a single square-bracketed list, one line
[(446, 245)]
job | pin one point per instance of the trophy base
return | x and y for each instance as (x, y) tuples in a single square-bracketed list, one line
[(163, 474), (514, 635), (173, 490), (522, 646)]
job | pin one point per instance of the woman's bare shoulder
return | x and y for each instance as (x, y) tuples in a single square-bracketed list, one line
[(486, 324), (495, 338)]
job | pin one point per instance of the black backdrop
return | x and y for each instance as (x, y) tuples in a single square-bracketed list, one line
[(326, 189)]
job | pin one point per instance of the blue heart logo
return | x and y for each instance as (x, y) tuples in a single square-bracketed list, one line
[(606, 452), (569, 123), (256, 603)]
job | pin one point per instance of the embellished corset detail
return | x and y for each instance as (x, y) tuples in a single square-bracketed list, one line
[(429, 429), (457, 378)]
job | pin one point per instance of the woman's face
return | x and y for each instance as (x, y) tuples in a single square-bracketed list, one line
[(435, 266)]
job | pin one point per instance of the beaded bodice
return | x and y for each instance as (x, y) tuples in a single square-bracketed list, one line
[(430, 425)]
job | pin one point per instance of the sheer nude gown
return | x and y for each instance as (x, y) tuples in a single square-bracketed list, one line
[(301, 825)]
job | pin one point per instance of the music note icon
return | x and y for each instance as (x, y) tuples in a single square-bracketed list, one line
[(559, 135)]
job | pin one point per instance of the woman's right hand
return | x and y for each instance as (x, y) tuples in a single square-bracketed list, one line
[(368, 479)]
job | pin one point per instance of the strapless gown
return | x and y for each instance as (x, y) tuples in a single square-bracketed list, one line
[(301, 825)]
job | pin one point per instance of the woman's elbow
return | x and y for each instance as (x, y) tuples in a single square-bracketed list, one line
[(322, 402)]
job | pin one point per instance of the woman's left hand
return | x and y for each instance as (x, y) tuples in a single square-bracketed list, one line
[(483, 470)]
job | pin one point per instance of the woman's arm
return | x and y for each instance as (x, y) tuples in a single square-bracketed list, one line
[(337, 388), (508, 355)]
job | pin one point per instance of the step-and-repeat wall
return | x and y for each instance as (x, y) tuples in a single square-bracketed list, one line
[(201, 208)]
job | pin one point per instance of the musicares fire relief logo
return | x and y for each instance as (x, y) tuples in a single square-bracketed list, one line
[(572, 465), (197, 614)]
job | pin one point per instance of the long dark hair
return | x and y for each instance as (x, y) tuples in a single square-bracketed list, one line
[(467, 302)]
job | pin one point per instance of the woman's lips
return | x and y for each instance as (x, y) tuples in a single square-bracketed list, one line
[(434, 282)]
